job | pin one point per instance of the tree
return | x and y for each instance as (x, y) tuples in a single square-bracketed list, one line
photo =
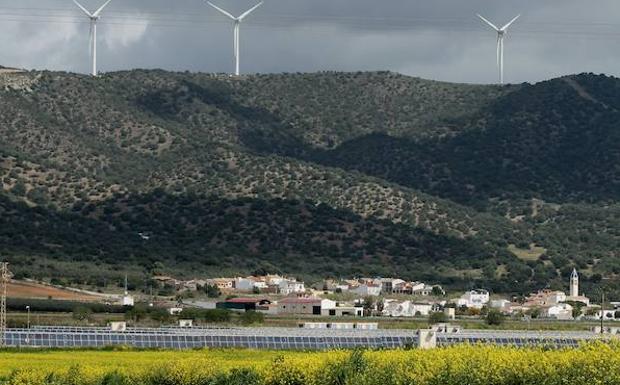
[(577, 308), (81, 313), (437, 318), (212, 291), (534, 313), (369, 305), (160, 315), (193, 314), (136, 314), (494, 317), (252, 317), (216, 316)]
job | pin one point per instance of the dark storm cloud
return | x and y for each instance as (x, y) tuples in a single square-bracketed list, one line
[(438, 39)]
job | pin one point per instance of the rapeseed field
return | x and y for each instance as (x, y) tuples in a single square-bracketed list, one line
[(593, 364)]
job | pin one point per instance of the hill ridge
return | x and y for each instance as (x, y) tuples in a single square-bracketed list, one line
[(450, 162)]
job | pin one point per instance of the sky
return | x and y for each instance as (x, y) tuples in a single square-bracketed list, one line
[(433, 39)]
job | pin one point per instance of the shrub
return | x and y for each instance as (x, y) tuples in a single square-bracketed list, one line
[(251, 318), (438, 317), (494, 317), (81, 313)]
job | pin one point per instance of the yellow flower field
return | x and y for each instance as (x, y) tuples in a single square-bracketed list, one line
[(595, 364)]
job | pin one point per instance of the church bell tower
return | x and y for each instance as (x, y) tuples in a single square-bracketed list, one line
[(574, 284)]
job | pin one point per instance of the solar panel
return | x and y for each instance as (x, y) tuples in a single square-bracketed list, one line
[(275, 338)]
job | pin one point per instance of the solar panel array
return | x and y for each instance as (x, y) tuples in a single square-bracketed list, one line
[(275, 338)]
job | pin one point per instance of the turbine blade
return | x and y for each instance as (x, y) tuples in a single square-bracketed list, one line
[(504, 28), (83, 9), (489, 23), (97, 12), (221, 10), (246, 13)]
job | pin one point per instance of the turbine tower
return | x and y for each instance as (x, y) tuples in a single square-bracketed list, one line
[(501, 34), (237, 29), (94, 17)]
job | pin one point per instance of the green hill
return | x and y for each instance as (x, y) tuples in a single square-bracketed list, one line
[(310, 174)]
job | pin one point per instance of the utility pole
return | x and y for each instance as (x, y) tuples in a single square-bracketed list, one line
[(4, 280), (602, 311)]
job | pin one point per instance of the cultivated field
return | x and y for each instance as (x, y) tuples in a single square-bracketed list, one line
[(592, 364), (20, 289)]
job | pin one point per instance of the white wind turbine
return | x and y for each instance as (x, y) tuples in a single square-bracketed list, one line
[(501, 33), (94, 17), (237, 28)]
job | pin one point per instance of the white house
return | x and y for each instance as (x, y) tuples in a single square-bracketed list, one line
[(499, 303), (417, 287), (393, 308), (476, 299), (562, 311), (244, 284), (426, 290), (388, 285), (367, 290), (249, 284), (274, 280), (287, 287)]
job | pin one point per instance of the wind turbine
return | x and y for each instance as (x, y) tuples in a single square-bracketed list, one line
[(237, 29), (94, 17), (501, 34)]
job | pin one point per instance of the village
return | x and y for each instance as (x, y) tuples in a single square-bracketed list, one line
[(374, 297)]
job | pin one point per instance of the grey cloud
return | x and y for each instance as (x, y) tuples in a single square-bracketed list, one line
[(438, 39)]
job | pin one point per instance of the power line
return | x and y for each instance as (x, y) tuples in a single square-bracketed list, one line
[(386, 23), (280, 25)]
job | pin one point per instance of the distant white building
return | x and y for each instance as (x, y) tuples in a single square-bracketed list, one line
[(562, 311), (394, 308), (308, 306), (175, 310), (427, 290), (389, 285), (186, 323), (127, 300), (609, 315), (476, 299), (222, 283), (274, 280), (367, 290), (249, 284), (499, 303), (243, 284), (545, 298), (287, 287)]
